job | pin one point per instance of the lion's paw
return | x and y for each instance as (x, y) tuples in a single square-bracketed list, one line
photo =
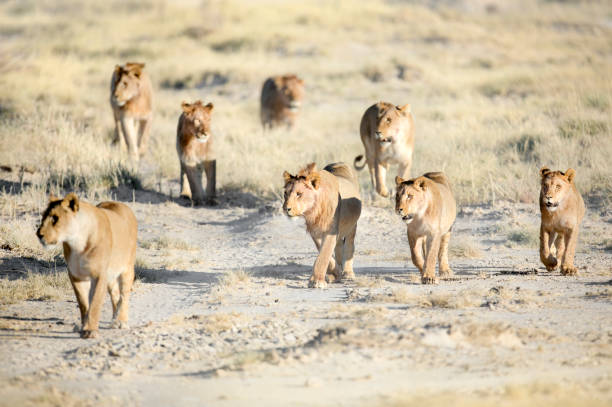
[(348, 275), (89, 334), (119, 324), (569, 270), (317, 283), (448, 273), (551, 263), (429, 280), (331, 277)]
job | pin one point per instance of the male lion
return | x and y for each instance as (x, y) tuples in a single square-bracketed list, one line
[(387, 133), (194, 145), (281, 98), (330, 203), (428, 207), (131, 101), (562, 211), (100, 250)]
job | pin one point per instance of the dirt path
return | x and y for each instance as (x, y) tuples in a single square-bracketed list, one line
[(222, 316)]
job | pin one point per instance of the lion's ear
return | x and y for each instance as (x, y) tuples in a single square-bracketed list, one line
[(314, 179), (404, 109), (310, 168), (544, 171), (287, 177), (420, 183), (570, 174), (209, 107), (71, 201), (398, 180), (186, 107)]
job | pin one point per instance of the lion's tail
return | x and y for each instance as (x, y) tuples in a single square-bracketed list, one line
[(344, 171), (356, 162)]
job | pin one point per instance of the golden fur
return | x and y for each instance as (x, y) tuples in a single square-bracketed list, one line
[(387, 134), (562, 210), (281, 98), (100, 250), (131, 100), (428, 207), (194, 145), (330, 202)]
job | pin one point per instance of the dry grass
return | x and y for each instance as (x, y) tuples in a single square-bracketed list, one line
[(497, 104), (464, 247), (165, 242), (233, 278), (35, 286)]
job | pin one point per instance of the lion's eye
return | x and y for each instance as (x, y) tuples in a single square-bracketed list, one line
[(409, 196), (388, 120), (558, 187), (54, 219), (299, 194)]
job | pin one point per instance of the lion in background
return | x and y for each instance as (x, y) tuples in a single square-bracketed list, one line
[(100, 250), (387, 134), (330, 202), (131, 98), (281, 99), (562, 210), (194, 145), (427, 206)]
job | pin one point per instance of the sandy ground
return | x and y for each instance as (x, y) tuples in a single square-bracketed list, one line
[(200, 335)]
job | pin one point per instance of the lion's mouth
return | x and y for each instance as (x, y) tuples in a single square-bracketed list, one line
[(551, 204), (293, 106), (407, 218), (202, 138)]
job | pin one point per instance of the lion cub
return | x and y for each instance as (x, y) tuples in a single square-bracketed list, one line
[(131, 97), (100, 250), (562, 211), (330, 203), (428, 207), (194, 145), (281, 98), (387, 134)]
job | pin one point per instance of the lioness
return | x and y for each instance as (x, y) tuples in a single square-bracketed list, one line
[(194, 145), (428, 207), (562, 211), (330, 203), (281, 98), (131, 100), (100, 250), (387, 133)]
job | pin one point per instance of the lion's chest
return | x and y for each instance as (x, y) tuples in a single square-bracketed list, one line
[(79, 267)]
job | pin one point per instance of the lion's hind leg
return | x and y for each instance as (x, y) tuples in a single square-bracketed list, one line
[(126, 279), (444, 268), (349, 252)]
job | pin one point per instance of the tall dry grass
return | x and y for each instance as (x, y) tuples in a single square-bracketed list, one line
[(498, 89)]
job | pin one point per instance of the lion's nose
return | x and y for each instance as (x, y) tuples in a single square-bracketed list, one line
[(378, 135)]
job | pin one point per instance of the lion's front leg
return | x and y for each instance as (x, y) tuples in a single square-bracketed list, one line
[(210, 168), (92, 319), (416, 252), (131, 137), (317, 280), (81, 290), (144, 133), (381, 175), (567, 265), (547, 259), (185, 189), (431, 255)]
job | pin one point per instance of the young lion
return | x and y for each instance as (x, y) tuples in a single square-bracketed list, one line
[(428, 207), (100, 250), (131, 101), (281, 98), (562, 211), (387, 134), (330, 203), (194, 145)]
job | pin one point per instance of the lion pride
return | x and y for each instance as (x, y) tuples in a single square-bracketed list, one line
[(281, 99), (194, 145), (427, 206), (562, 210), (387, 134), (131, 98), (100, 250), (330, 202)]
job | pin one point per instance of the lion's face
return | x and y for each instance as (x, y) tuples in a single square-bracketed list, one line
[(410, 198), (57, 218), (127, 82), (389, 124), (300, 191), (197, 120), (292, 92), (556, 185)]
